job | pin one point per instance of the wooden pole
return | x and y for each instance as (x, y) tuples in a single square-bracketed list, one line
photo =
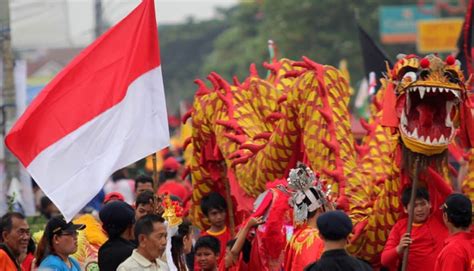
[(230, 208), (411, 208), (155, 173)]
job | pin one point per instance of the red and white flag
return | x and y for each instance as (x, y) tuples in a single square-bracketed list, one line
[(102, 112)]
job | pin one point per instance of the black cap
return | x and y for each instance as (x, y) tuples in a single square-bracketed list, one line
[(334, 225), (57, 225), (458, 205), (117, 214)]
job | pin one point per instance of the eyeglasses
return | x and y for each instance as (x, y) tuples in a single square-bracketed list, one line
[(68, 233)]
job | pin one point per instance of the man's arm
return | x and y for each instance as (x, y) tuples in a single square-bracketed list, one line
[(396, 243)]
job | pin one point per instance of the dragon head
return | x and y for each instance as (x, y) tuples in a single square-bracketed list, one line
[(429, 96)]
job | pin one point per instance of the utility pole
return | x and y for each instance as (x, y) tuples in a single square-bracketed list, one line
[(8, 91), (99, 20)]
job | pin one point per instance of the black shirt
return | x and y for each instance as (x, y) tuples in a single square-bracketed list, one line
[(113, 252), (338, 260)]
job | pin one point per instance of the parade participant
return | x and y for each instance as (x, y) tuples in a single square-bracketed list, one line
[(214, 208), (143, 183), (207, 253), (15, 235), (334, 228), (233, 258), (458, 251), (59, 241), (117, 220), (150, 232), (426, 239), (308, 203)]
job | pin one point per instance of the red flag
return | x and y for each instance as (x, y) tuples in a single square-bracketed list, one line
[(103, 111)]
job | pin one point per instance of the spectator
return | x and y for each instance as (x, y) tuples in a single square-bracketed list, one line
[(119, 182), (48, 209), (143, 183), (144, 204), (214, 208), (150, 232), (458, 251), (117, 221), (59, 241), (207, 253), (113, 196), (335, 227), (182, 244), (427, 235), (14, 240), (27, 259)]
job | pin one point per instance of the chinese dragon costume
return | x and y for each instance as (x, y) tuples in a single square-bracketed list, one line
[(249, 133)]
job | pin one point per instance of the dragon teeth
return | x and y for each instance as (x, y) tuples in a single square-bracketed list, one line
[(435, 141), (422, 92), (442, 139), (415, 133)]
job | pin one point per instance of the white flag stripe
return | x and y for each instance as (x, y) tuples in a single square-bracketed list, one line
[(127, 132)]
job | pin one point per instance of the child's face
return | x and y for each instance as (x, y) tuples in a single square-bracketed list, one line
[(206, 258), (216, 217)]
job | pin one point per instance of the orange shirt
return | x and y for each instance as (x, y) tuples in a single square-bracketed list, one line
[(5, 262)]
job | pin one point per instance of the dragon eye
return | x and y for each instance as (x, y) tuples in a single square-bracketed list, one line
[(411, 76), (452, 77)]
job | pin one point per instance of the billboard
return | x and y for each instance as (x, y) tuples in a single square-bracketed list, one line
[(398, 24), (438, 36)]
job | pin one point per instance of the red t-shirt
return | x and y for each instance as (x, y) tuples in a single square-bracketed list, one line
[(457, 253), (427, 242)]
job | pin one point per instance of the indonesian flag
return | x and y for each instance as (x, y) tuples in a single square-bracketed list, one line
[(104, 111)]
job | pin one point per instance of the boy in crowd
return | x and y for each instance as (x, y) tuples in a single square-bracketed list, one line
[(458, 250), (207, 253), (214, 208), (426, 239)]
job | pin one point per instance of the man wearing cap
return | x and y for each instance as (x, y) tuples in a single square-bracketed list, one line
[(334, 228), (15, 234), (458, 251), (117, 220)]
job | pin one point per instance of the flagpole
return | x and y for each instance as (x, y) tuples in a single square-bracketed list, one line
[(155, 172), (411, 208)]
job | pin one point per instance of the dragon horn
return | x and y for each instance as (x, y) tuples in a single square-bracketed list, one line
[(202, 90), (213, 81), (253, 70)]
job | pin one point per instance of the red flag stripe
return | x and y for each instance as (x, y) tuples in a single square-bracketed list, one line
[(82, 91)]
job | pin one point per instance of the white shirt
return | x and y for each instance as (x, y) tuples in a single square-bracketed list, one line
[(136, 262)]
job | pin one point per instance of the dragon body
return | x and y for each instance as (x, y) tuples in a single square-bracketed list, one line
[(251, 133)]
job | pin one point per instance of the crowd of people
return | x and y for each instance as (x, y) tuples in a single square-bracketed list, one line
[(138, 235)]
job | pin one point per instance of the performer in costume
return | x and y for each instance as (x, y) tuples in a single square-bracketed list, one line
[(308, 202)]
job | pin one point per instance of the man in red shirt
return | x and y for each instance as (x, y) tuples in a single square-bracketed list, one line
[(427, 236), (458, 251)]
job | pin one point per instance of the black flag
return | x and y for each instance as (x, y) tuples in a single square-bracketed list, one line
[(374, 56)]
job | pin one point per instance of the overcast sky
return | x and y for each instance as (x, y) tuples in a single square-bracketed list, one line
[(70, 23)]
